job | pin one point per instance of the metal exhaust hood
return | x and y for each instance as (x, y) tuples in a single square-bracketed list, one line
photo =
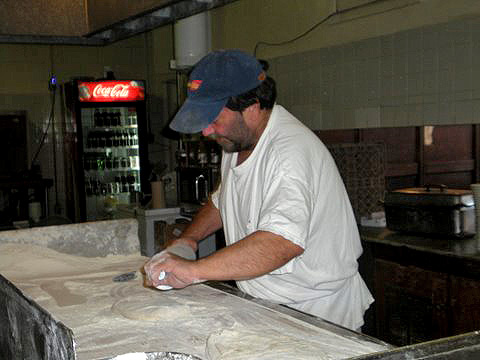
[(166, 12)]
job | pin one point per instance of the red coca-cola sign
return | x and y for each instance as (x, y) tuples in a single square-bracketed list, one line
[(105, 91)]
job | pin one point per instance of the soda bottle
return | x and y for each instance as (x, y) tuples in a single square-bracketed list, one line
[(109, 139), (101, 118), (94, 139), (128, 120), (135, 138), (134, 118), (89, 141), (96, 115), (116, 139), (109, 163), (118, 117), (101, 140), (107, 120), (124, 183), (124, 141)]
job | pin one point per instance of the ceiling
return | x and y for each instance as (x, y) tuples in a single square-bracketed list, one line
[(90, 22)]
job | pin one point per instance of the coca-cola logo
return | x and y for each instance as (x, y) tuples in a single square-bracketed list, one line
[(116, 91), (111, 91)]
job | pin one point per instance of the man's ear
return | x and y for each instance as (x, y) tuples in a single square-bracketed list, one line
[(254, 107), (252, 115)]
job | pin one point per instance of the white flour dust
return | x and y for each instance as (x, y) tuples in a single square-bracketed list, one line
[(152, 307), (109, 318)]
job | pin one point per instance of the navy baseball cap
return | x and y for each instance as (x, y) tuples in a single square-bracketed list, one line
[(214, 79)]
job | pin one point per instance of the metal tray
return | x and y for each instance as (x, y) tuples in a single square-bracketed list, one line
[(430, 195), (432, 210)]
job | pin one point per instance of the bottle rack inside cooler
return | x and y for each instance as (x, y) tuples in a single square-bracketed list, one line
[(111, 153)]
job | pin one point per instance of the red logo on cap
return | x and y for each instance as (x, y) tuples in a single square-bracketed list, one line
[(194, 85)]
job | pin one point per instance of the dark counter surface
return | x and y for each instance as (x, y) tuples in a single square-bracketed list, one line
[(458, 256), (460, 347), (439, 303)]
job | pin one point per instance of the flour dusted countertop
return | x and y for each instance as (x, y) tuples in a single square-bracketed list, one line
[(109, 318)]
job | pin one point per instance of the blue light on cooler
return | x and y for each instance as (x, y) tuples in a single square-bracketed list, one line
[(52, 84)]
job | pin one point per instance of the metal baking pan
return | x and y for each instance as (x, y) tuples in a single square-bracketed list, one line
[(432, 210), (430, 195)]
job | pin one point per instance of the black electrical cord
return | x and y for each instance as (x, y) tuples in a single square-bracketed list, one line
[(296, 37), (45, 133), (336, 12), (54, 150)]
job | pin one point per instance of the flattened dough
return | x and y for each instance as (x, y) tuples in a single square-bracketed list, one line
[(268, 344), (152, 307)]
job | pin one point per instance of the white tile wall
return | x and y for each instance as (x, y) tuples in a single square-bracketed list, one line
[(425, 76)]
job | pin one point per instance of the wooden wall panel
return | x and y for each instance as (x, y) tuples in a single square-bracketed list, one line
[(401, 143), (401, 152), (451, 158), (458, 180), (450, 143), (330, 137)]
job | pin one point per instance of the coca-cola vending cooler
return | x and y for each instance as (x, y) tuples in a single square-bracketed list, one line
[(110, 124)]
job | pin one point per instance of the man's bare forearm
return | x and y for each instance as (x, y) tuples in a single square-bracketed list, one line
[(204, 223), (255, 255)]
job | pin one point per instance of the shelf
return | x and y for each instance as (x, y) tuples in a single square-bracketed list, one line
[(103, 149), (198, 167), (25, 183), (112, 170), (108, 128)]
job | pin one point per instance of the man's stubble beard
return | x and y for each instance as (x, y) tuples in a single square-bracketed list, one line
[(239, 140), (228, 145)]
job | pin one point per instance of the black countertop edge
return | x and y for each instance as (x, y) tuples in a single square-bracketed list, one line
[(464, 346), (456, 256)]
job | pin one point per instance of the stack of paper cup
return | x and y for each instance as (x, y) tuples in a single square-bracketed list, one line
[(35, 211), (476, 198), (158, 194)]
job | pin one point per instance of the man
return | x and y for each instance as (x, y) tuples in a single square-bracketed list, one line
[(289, 227)]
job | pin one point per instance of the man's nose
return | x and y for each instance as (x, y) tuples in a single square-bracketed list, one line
[(208, 130)]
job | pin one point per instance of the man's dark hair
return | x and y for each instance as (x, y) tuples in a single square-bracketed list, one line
[(265, 94)]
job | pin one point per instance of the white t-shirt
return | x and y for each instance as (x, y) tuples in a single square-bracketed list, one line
[(290, 186)]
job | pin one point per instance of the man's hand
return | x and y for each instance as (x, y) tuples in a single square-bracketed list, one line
[(166, 270)]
